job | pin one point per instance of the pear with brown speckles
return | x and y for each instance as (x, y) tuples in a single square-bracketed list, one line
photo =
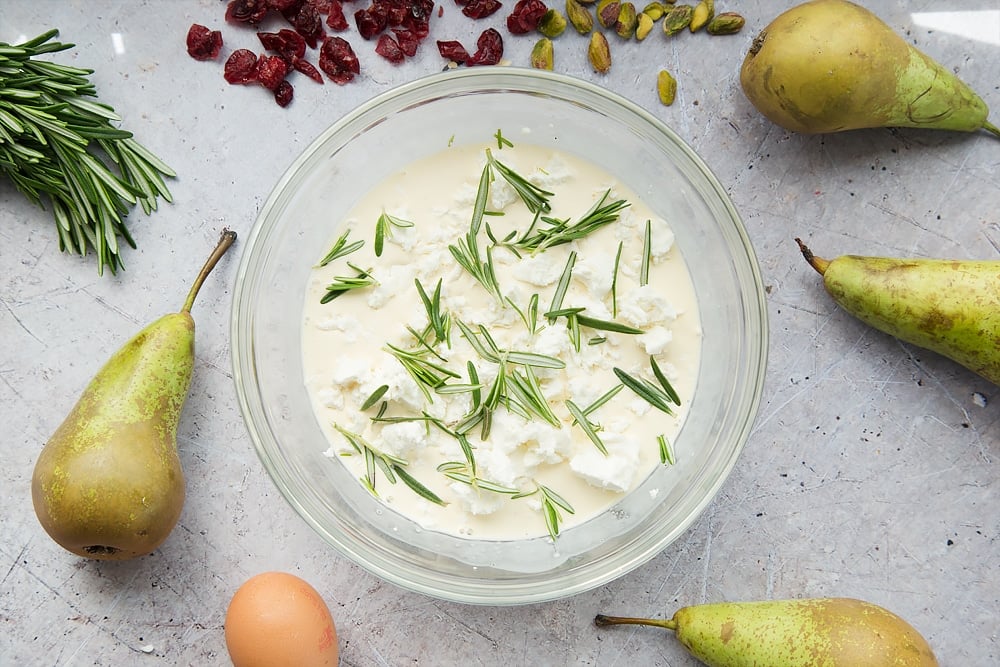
[(949, 306), (832, 65), (108, 484), (820, 632)]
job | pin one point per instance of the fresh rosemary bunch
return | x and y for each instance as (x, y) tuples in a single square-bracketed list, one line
[(61, 151)]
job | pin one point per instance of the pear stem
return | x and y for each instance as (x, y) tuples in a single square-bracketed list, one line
[(990, 127), (817, 263), (227, 239), (601, 620)]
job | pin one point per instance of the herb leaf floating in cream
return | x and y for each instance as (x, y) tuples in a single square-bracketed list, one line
[(837, 632), (52, 138)]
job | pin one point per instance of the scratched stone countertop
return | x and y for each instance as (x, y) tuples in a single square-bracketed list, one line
[(872, 470)]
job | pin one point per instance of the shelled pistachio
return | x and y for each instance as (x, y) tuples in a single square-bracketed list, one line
[(627, 20), (599, 52), (678, 18), (579, 17), (702, 14), (726, 23), (666, 87), (553, 23), (542, 54)]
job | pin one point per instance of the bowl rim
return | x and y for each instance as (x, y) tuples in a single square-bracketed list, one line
[(479, 80)]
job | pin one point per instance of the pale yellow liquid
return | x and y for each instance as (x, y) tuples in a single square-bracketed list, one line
[(343, 341)]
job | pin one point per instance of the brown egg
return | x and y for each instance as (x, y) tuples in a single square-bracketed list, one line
[(277, 619)]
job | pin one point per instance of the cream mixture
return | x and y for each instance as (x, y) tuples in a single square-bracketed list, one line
[(537, 471)]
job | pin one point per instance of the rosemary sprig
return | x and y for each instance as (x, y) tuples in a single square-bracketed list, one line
[(559, 231), (606, 325), (502, 140), (425, 373), (439, 321), (458, 471), (374, 398), (344, 284), (562, 286), (614, 281), (61, 151), (383, 229), (466, 253), (534, 197), (604, 398), (341, 248), (588, 428), (651, 393), (647, 252), (591, 322), (529, 315), (390, 465), (552, 502), (664, 382), (528, 392), (666, 450)]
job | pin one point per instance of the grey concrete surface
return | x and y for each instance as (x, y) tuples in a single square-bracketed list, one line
[(872, 470)]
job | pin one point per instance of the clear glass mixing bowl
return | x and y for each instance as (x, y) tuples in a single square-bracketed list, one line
[(413, 121)]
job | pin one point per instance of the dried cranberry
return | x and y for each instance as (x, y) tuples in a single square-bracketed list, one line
[(202, 43), (322, 6), (295, 41), (284, 5), (241, 66), (335, 18), (370, 22), (489, 49), (395, 11), (338, 60), (526, 16), (453, 50), (408, 41), (478, 9), (388, 48), (283, 93), (271, 71), (288, 44), (307, 22), (307, 68), (418, 17), (247, 11)]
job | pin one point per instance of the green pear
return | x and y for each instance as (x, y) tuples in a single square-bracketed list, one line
[(108, 484), (820, 632), (951, 307), (830, 65)]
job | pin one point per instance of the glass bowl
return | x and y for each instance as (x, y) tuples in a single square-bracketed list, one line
[(412, 122)]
